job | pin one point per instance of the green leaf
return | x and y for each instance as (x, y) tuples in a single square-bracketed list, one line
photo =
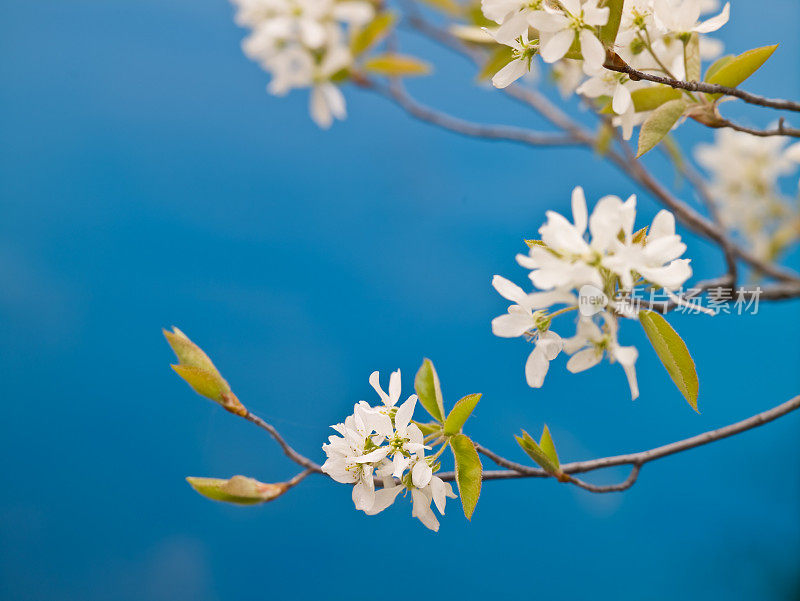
[(188, 352), (672, 351), (239, 490), (659, 124), (429, 427), (608, 32), (717, 65), (532, 243), (199, 372), (691, 57), (537, 453), (459, 414), (546, 444), (640, 236), (204, 383), (499, 59), (397, 65), (429, 391), (468, 472), (369, 35), (739, 68)]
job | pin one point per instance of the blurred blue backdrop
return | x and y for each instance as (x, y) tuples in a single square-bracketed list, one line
[(147, 180)]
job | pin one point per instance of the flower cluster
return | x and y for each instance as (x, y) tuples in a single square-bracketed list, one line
[(383, 443), (304, 44), (653, 36), (594, 275), (745, 172)]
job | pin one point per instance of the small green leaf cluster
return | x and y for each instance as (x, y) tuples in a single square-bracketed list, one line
[(447, 428), (668, 104)]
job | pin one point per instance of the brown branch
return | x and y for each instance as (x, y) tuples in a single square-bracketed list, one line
[(627, 164), (701, 86), (781, 130), (397, 94), (287, 449), (637, 460), (624, 485), (687, 169), (516, 470)]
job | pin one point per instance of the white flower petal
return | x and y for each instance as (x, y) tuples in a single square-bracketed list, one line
[(512, 325), (510, 73), (422, 509), (384, 499), (363, 495), (509, 290), (404, 413), (622, 100), (583, 360), (421, 473), (715, 23), (394, 388), (593, 51), (554, 47), (547, 22), (374, 381), (536, 368), (319, 109), (580, 214)]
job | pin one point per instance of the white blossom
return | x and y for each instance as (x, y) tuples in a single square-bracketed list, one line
[(610, 83), (513, 16), (382, 442), (304, 44), (745, 175), (600, 252), (520, 65), (682, 16), (590, 344), (559, 29)]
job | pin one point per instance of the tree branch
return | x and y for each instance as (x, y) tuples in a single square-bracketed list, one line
[(287, 449), (627, 164), (397, 94), (781, 130), (637, 460), (516, 470), (700, 86)]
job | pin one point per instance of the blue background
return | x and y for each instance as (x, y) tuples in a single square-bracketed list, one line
[(147, 180)]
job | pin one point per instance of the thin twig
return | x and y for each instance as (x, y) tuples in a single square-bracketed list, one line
[(299, 478), (701, 86), (517, 470), (624, 485), (634, 459), (399, 96), (781, 130), (627, 164), (287, 449), (687, 169)]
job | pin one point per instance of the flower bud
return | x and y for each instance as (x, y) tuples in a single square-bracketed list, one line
[(239, 490), (197, 369)]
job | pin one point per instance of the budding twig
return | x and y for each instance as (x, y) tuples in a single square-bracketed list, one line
[(701, 86), (516, 470), (287, 449), (637, 460)]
